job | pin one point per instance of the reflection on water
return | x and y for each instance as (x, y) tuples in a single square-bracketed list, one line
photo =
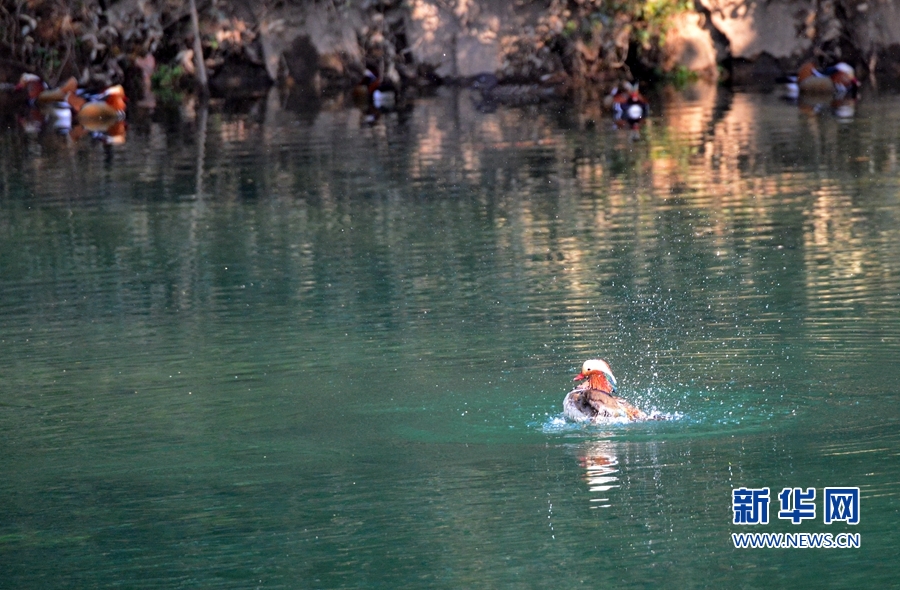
[(600, 465), (299, 350), (56, 123)]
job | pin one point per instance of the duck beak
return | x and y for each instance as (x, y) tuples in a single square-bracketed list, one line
[(580, 377)]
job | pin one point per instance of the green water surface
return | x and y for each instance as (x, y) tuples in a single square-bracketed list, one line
[(292, 350)]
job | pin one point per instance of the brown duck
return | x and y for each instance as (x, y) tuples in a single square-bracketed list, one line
[(594, 399)]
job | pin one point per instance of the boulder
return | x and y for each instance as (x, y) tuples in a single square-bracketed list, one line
[(291, 37), (873, 29), (239, 79), (780, 28), (461, 40), (689, 45)]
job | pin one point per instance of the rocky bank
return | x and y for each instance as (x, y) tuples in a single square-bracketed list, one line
[(581, 46)]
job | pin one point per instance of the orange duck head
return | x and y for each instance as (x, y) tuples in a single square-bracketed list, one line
[(843, 76), (599, 374)]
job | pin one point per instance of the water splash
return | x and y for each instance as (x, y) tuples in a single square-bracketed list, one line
[(559, 424)]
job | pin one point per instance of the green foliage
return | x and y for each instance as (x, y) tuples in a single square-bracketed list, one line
[(167, 82), (681, 76), (652, 19), (166, 76), (47, 58), (606, 31)]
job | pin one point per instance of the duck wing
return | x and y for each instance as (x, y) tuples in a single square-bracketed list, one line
[(608, 405), (576, 406), (603, 403)]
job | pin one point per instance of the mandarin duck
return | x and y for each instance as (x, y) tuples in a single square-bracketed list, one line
[(594, 400), (45, 104), (377, 92), (99, 112), (838, 81), (374, 96), (628, 104), (39, 93)]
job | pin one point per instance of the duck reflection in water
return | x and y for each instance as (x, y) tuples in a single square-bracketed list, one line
[(600, 466), (843, 108), (595, 400)]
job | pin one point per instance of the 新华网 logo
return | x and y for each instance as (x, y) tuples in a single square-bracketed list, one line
[(751, 507)]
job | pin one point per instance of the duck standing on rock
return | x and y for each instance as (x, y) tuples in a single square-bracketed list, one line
[(595, 400)]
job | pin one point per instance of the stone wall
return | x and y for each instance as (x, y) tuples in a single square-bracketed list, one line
[(761, 38), (458, 39), (318, 45)]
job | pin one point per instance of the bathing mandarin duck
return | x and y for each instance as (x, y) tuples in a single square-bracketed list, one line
[(595, 400)]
